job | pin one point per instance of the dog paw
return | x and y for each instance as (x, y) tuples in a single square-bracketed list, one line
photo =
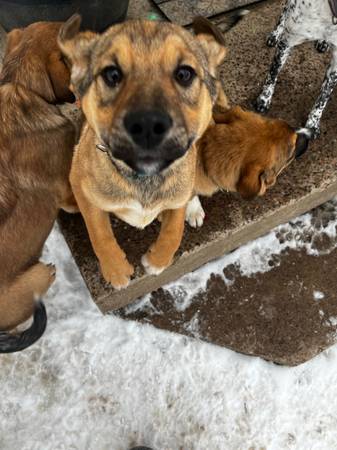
[(149, 265), (272, 39), (43, 276), (51, 272), (195, 214), (261, 105), (118, 273), (322, 46)]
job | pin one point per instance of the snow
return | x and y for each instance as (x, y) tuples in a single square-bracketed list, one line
[(318, 295), (98, 382), (255, 257)]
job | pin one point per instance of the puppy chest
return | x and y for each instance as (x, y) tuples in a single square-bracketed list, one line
[(135, 214)]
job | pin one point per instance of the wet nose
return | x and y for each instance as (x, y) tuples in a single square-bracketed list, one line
[(303, 139), (147, 128)]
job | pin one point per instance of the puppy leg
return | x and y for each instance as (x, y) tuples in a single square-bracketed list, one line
[(275, 36), (17, 301), (68, 201), (114, 265), (195, 213), (328, 85), (70, 205), (161, 253), (262, 103)]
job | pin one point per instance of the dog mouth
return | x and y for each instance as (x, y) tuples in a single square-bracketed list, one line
[(147, 166), (149, 163)]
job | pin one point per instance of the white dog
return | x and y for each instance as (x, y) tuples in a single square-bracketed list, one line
[(300, 21)]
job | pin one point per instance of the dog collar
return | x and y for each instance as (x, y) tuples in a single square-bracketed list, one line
[(153, 16)]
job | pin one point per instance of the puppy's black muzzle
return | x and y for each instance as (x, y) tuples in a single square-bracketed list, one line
[(151, 145), (150, 162)]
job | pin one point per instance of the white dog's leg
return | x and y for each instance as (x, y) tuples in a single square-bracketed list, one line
[(262, 103), (328, 85), (275, 36), (195, 214)]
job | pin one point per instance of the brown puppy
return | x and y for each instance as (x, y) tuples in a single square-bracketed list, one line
[(147, 90), (36, 146), (243, 152)]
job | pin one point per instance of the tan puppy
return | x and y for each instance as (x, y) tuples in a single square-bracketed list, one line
[(243, 152), (147, 90), (36, 146)]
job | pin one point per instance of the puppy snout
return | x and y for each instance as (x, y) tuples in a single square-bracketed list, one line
[(303, 139), (148, 128)]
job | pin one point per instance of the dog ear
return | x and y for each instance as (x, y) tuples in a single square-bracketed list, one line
[(211, 40), (227, 117), (201, 25), (77, 47), (211, 36), (250, 181), (13, 39), (59, 75), (29, 71), (268, 179)]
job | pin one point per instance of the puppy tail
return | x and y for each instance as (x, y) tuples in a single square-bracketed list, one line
[(10, 343)]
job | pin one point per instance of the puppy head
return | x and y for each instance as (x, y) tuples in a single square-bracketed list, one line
[(34, 60), (268, 146), (147, 88)]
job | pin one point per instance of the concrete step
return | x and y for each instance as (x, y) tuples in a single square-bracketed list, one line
[(230, 221), (285, 311)]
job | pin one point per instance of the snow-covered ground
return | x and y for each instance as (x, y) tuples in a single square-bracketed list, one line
[(102, 383)]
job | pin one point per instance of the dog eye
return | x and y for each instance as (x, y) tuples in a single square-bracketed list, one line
[(112, 76), (185, 75)]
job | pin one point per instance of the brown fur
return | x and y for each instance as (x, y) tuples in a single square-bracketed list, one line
[(243, 152), (36, 145), (148, 54)]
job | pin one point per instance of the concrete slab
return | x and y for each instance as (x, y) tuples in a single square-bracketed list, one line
[(232, 222), (286, 314)]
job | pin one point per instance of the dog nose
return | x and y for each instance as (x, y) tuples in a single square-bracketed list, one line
[(304, 135), (147, 128)]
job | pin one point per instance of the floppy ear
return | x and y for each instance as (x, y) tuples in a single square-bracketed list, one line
[(77, 47), (17, 67), (268, 179), (201, 25), (13, 39), (227, 117), (59, 75), (211, 37), (250, 183), (211, 40)]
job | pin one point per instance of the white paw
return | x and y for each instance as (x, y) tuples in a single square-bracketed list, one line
[(195, 214), (149, 269)]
